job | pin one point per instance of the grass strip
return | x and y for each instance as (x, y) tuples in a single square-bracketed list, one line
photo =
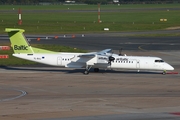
[(56, 19)]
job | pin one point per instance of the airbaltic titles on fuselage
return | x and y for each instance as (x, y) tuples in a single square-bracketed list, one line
[(122, 59), (102, 58), (118, 59), (20, 47)]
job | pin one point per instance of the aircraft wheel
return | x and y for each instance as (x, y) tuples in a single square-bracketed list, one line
[(86, 72), (96, 69), (164, 73)]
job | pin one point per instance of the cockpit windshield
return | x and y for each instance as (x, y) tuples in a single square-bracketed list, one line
[(159, 61)]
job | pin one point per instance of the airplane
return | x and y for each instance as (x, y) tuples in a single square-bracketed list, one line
[(103, 59)]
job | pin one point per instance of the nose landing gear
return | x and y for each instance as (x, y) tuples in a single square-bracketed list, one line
[(164, 72)]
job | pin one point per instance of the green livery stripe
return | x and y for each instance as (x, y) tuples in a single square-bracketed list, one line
[(38, 50)]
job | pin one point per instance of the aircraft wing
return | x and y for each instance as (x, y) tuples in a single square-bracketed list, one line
[(102, 58), (88, 55), (93, 54), (104, 52)]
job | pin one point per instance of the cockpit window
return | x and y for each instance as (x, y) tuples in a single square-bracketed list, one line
[(160, 61)]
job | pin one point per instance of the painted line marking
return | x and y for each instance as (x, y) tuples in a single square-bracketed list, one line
[(140, 48), (23, 93)]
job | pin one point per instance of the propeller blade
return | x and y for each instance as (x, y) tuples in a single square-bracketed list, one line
[(120, 52), (110, 60)]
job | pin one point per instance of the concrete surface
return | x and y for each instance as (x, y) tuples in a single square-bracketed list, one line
[(54, 93)]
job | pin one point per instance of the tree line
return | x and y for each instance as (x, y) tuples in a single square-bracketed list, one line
[(31, 2)]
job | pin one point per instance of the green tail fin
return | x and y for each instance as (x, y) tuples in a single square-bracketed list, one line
[(18, 41), (20, 44)]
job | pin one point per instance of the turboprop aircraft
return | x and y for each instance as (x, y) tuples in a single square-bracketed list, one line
[(102, 59)]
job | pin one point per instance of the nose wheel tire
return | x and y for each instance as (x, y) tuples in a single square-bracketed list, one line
[(164, 72)]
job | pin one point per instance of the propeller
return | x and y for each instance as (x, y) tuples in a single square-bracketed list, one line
[(110, 60), (120, 51)]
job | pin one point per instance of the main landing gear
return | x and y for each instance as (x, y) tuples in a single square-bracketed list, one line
[(87, 70), (96, 69)]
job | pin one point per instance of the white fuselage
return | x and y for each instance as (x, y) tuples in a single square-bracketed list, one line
[(73, 60), (140, 63)]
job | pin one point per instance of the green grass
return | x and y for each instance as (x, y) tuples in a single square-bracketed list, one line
[(123, 19), (17, 61), (86, 7)]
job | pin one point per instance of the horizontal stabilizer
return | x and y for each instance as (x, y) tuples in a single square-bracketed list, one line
[(13, 30)]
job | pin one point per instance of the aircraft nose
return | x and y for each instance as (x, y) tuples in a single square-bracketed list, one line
[(168, 67)]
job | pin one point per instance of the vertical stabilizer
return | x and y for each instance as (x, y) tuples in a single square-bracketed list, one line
[(20, 44), (18, 41)]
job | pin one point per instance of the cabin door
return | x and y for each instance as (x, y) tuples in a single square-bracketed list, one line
[(59, 60), (138, 64)]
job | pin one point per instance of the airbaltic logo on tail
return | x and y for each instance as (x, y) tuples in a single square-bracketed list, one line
[(20, 47)]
